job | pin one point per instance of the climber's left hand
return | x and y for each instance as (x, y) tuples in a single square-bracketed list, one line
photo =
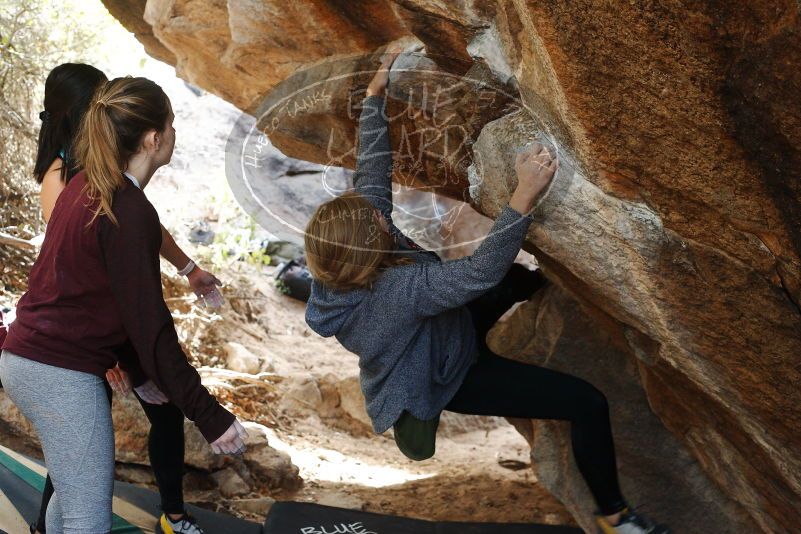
[(379, 82)]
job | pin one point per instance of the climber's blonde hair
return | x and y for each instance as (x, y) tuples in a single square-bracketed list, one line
[(345, 246), (111, 131)]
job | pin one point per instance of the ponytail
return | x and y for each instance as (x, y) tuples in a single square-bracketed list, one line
[(123, 110), (99, 154)]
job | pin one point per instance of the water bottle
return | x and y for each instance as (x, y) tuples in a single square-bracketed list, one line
[(213, 299)]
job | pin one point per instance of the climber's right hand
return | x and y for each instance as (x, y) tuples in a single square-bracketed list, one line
[(232, 441), (535, 168)]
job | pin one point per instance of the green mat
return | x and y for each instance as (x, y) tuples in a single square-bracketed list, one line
[(136, 508), (37, 483)]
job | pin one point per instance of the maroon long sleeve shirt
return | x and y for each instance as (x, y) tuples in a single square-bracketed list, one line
[(94, 298)]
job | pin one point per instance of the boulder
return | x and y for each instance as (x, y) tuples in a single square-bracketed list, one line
[(655, 469)]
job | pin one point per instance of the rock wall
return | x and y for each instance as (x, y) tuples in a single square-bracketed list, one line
[(675, 219)]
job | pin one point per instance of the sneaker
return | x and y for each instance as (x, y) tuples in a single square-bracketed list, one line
[(185, 525), (631, 523)]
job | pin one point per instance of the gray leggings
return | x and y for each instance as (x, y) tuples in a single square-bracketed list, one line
[(71, 414)]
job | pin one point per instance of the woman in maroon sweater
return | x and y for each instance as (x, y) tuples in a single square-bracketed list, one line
[(69, 89), (96, 287)]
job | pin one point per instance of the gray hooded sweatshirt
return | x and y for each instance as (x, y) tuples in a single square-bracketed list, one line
[(412, 332)]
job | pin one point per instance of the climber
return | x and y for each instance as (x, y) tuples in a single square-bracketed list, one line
[(68, 91), (418, 325), (94, 299)]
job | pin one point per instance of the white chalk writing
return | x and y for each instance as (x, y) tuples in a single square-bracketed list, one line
[(342, 528)]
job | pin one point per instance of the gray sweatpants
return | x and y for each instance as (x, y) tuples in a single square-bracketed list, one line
[(71, 414)]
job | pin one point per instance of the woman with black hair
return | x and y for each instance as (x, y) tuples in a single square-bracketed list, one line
[(68, 92)]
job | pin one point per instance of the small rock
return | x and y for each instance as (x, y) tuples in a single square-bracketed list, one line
[(230, 483), (329, 407), (271, 467), (135, 474), (259, 505), (352, 400), (552, 519), (201, 233), (240, 359), (256, 436), (198, 481), (198, 451), (302, 396), (512, 464)]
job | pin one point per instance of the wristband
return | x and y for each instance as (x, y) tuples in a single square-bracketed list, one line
[(188, 269)]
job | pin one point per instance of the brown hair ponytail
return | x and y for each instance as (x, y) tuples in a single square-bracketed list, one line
[(111, 131)]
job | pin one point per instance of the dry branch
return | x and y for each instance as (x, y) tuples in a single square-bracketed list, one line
[(7, 239)]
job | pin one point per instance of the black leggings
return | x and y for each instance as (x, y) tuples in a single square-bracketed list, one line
[(165, 445), (502, 387)]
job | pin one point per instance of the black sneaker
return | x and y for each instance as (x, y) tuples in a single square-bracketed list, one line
[(631, 523)]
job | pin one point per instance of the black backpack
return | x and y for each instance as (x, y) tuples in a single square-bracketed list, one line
[(294, 279)]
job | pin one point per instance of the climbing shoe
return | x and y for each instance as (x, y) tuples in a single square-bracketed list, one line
[(631, 523), (185, 525)]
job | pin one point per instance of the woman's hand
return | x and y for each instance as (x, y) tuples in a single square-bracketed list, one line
[(151, 394), (232, 441), (203, 282), (535, 168), (119, 380), (379, 82)]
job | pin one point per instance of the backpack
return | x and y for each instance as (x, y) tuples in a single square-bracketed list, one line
[(294, 279)]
